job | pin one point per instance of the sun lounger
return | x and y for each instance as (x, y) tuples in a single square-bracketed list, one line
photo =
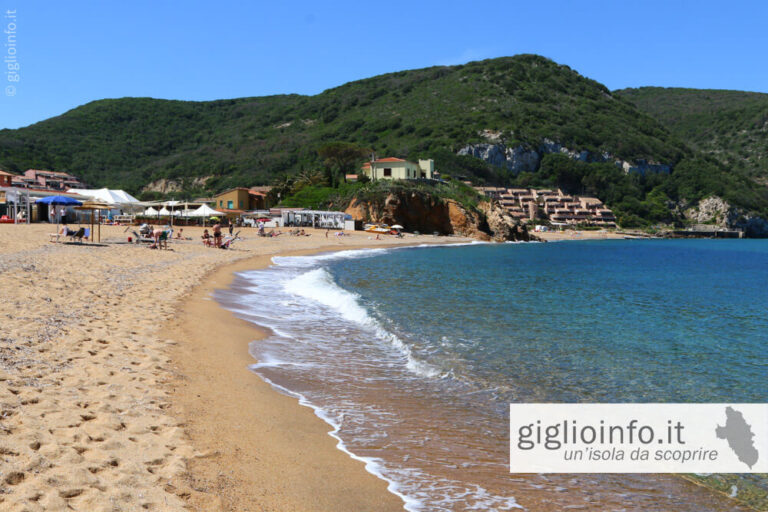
[(77, 235), (54, 237), (139, 238)]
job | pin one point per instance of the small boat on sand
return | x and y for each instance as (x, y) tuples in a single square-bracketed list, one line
[(377, 228)]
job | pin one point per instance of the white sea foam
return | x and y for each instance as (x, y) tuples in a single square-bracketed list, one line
[(419, 492), (318, 285), (297, 293)]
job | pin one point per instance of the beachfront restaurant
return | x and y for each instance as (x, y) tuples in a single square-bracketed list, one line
[(314, 219)]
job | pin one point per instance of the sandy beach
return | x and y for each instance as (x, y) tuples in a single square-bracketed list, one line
[(125, 387), (556, 236)]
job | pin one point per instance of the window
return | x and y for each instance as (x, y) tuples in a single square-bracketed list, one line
[(387, 172), (229, 205), (241, 204), (221, 203)]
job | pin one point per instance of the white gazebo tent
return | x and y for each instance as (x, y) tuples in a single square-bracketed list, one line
[(105, 195), (204, 211), (118, 201)]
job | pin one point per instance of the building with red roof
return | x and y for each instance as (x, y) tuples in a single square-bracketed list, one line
[(392, 168)]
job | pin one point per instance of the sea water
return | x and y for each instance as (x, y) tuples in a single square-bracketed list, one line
[(412, 355)]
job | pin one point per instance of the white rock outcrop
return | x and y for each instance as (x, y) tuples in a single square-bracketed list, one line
[(523, 158)]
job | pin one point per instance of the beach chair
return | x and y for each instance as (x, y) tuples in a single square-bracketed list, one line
[(228, 241), (77, 235), (141, 238), (54, 237)]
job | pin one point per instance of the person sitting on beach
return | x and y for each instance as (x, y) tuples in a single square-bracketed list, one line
[(178, 235), (206, 238)]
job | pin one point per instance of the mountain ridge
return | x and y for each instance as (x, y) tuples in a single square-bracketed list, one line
[(525, 101)]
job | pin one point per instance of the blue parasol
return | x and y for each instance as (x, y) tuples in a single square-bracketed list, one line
[(58, 200)]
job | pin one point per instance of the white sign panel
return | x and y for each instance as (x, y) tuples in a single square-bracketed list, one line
[(638, 438)]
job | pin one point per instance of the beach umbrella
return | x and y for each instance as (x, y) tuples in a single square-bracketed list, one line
[(93, 206), (58, 201), (397, 226)]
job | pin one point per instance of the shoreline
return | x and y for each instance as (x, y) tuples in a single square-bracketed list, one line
[(100, 342), (89, 419), (209, 393)]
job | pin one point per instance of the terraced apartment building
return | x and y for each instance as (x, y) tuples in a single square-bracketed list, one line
[(553, 205)]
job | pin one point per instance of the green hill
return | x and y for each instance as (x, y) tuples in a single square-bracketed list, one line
[(523, 101), (731, 126), (130, 142)]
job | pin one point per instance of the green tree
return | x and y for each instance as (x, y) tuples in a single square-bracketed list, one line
[(342, 157)]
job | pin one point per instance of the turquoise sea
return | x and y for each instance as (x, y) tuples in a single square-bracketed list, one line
[(413, 355)]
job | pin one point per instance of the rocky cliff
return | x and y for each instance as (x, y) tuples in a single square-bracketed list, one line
[(168, 186), (524, 158), (428, 214), (717, 212)]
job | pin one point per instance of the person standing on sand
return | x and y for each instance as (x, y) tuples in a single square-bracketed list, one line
[(231, 228), (217, 234), (161, 242)]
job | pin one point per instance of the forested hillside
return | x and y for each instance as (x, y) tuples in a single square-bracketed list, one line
[(520, 102)]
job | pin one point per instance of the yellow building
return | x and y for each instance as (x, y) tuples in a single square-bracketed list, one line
[(398, 169), (239, 198)]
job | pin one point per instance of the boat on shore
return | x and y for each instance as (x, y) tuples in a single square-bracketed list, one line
[(377, 228)]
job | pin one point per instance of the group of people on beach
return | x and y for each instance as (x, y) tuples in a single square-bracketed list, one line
[(216, 239)]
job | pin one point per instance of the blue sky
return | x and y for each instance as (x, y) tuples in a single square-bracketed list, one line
[(73, 52)]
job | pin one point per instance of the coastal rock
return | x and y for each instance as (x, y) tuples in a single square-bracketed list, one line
[(426, 214), (755, 227), (415, 212), (466, 223), (501, 225), (715, 211), (712, 210), (752, 225)]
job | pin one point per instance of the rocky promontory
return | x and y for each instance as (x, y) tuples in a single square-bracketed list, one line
[(425, 213)]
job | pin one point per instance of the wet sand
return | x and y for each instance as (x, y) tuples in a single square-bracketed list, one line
[(260, 450)]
